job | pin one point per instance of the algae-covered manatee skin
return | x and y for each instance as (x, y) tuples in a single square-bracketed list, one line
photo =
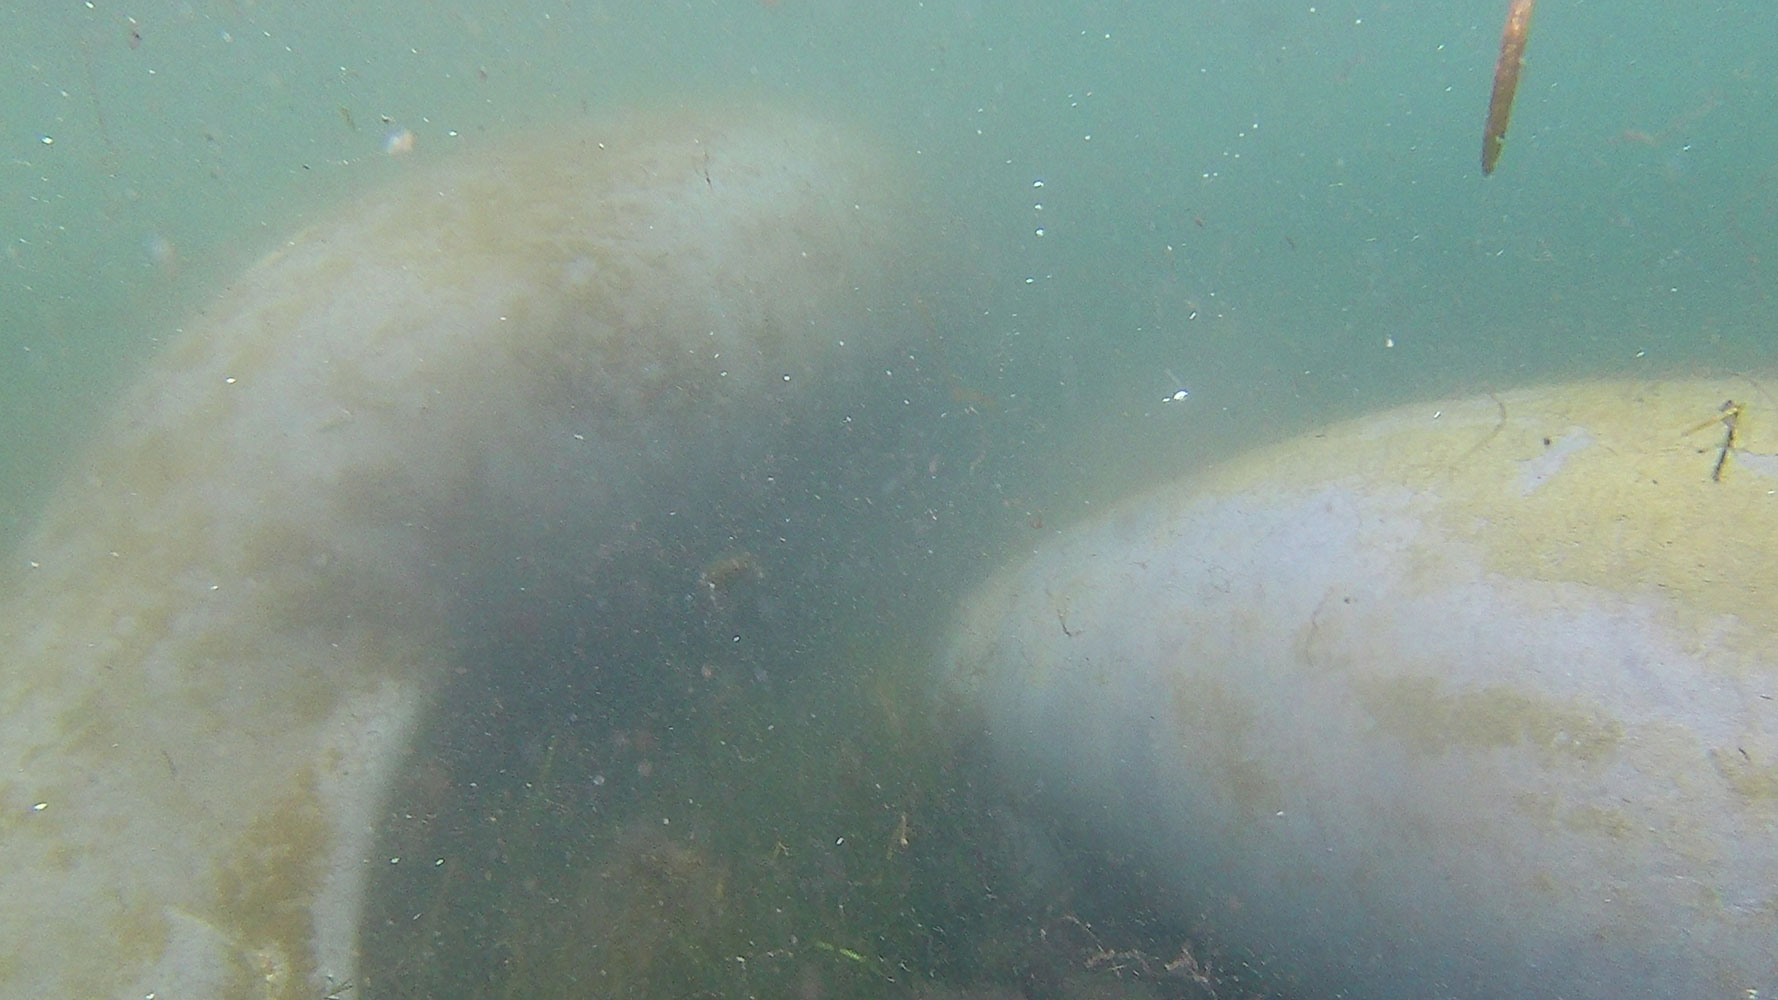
[(1467, 699), (219, 640)]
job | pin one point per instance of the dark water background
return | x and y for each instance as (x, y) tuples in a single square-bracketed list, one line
[(1277, 205)]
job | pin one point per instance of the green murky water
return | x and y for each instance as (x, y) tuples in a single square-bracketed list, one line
[(1274, 205)]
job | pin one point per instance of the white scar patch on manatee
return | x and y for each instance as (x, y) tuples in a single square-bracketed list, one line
[(228, 624), (1760, 464), (1534, 472)]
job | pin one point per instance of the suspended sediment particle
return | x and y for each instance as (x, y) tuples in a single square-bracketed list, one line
[(1506, 80)]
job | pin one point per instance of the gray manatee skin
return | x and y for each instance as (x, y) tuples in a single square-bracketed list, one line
[(1465, 700), (224, 630)]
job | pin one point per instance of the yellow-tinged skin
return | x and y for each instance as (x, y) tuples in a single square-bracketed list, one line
[(1634, 506), (1484, 686)]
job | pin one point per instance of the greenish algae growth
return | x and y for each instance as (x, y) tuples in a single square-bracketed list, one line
[(1552, 813), (1431, 720), (265, 895), (1219, 727), (1755, 782)]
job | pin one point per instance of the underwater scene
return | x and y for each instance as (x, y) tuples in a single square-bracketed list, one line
[(959, 499)]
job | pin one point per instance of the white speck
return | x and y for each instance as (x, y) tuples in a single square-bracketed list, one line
[(229, 380), (1180, 392), (1388, 341), (47, 140), (39, 807)]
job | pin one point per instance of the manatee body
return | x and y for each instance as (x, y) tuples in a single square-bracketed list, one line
[(224, 631), (1469, 700)]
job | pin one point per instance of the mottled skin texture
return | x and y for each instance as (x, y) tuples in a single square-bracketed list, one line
[(1468, 699), (234, 611)]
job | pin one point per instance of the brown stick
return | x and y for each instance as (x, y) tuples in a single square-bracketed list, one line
[(1506, 80)]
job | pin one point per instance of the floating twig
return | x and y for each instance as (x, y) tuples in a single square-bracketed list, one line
[(1506, 80)]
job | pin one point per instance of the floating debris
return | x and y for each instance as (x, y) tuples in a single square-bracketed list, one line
[(720, 575), (1506, 80)]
